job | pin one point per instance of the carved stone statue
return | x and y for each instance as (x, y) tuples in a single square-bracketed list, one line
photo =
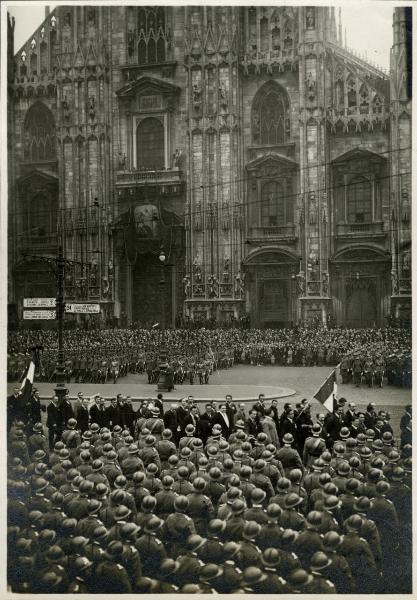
[(197, 270), (310, 86), (226, 270), (196, 95), (310, 17), (407, 260), (122, 162), (187, 286), (92, 107), (394, 283), (177, 158), (222, 95), (239, 284), (301, 283), (325, 283)]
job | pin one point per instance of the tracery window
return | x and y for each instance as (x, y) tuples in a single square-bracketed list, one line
[(272, 205), (152, 35), (359, 201), (150, 144), (39, 134), (270, 116), (42, 215)]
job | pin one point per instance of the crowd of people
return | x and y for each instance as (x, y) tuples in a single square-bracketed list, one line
[(173, 498), (368, 355)]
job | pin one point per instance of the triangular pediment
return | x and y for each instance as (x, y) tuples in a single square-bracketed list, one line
[(358, 154), (39, 175), (147, 85), (272, 159)]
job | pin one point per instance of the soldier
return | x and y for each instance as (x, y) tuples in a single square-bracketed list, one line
[(314, 446), (288, 456), (309, 541), (109, 576), (319, 585), (358, 554)]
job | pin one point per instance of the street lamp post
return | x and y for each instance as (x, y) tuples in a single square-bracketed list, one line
[(163, 364), (57, 264)]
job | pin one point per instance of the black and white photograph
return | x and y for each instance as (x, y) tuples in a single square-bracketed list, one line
[(207, 263)]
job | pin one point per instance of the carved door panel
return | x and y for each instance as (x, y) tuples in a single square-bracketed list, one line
[(361, 309), (147, 292), (273, 302)]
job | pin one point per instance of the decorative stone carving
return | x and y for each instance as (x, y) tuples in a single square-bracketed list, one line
[(310, 17), (196, 96), (187, 286), (301, 283), (239, 284), (394, 283), (310, 87)]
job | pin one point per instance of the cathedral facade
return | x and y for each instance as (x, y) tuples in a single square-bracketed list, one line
[(268, 164)]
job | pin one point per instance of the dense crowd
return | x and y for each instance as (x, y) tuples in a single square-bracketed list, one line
[(171, 498), (106, 355)]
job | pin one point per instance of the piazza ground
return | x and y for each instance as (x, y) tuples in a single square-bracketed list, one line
[(245, 382)]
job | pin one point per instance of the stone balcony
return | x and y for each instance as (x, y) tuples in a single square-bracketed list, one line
[(284, 233), (135, 178), (357, 230)]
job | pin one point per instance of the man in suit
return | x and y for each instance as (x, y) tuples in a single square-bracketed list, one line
[(252, 425), (230, 409), (83, 415), (207, 420), (54, 421), (159, 403), (113, 413), (171, 422), (181, 415), (98, 412), (223, 420)]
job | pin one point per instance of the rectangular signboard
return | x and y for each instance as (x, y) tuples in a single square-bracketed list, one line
[(82, 308), (39, 302), (39, 314)]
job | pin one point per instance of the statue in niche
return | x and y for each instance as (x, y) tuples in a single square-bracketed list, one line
[(394, 283), (130, 42), (226, 270), (122, 162), (67, 19), (407, 261), (105, 287), (226, 215), (325, 283), (176, 157), (239, 284), (197, 216), (93, 273), (196, 95), (213, 286), (310, 17), (311, 86), (255, 124), (65, 108), (313, 263), (187, 286), (110, 269), (223, 95), (301, 283), (92, 107), (197, 270)]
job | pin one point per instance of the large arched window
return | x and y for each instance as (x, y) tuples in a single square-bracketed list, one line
[(39, 134), (359, 201), (42, 215), (150, 144), (272, 205), (270, 116), (152, 34)]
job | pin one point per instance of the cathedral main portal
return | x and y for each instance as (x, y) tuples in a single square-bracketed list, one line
[(271, 288)]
